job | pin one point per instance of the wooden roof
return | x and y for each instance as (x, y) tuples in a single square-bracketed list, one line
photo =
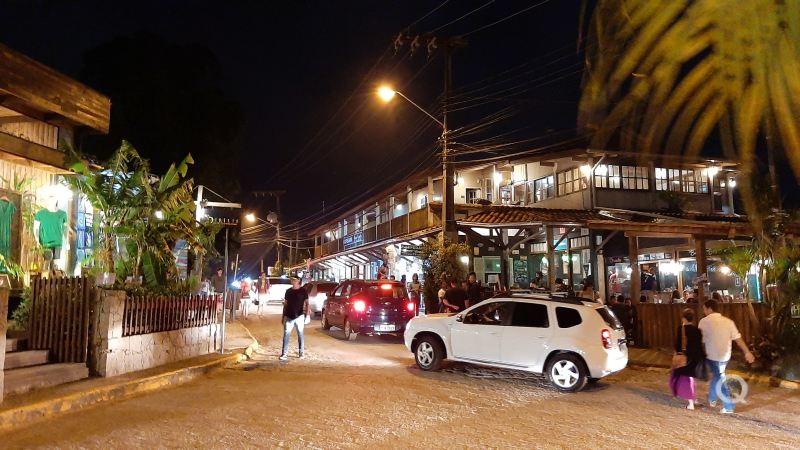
[(39, 91), (520, 216)]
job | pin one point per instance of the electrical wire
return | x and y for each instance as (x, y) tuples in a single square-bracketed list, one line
[(464, 16), (506, 18)]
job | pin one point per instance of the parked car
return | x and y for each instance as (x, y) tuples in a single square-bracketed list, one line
[(368, 307), (568, 339), (277, 289), (318, 291)]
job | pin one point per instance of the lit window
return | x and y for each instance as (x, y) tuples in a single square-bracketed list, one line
[(571, 181), (682, 180), (544, 188)]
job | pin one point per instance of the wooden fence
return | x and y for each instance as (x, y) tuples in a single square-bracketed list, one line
[(60, 317), (152, 314), (658, 323)]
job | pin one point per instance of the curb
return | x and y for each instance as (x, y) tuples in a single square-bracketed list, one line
[(50, 408), (765, 380)]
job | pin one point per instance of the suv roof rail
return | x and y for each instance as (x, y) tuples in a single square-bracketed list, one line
[(561, 297)]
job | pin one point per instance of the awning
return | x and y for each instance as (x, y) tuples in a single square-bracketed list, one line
[(520, 217), (362, 254)]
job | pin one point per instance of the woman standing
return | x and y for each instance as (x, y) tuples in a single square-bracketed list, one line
[(688, 343)]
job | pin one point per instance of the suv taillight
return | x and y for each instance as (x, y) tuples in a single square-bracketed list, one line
[(605, 336), (410, 306), (360, 305)]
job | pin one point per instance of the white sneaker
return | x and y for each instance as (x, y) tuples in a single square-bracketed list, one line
[(726, 411), (301, 356), (284, 358)]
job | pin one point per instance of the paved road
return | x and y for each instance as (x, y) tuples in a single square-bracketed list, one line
[(368, 393)]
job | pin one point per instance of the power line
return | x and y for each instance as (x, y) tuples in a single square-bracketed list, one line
[(464, 16), (507, 18), (428, 14)]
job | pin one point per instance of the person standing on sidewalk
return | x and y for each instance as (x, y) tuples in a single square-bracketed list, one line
[(473, 290), (718, 332), (295, 315), (689, 343)]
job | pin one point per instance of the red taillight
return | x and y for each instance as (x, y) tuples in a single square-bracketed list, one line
[(605, 336), (386, 287), (410, 306), (360, 305)]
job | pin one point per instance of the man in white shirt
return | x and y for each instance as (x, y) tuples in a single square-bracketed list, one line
[(718, 333)]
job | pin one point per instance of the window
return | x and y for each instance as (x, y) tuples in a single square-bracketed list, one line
[(342, 289), (612, 176), (491, 264), (495, 313), (567, 317), (544, 188), (682, 180), (531, 315), (609, 318), (472, 195), (571, 181), (519, 193), (636, 178)]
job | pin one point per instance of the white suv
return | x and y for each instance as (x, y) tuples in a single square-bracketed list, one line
[(570, 340)]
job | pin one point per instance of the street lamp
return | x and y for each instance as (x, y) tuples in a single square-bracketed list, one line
[(272, 220), (386, 94)]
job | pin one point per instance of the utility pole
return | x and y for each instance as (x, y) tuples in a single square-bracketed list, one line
[(449, 229), (277, 195)]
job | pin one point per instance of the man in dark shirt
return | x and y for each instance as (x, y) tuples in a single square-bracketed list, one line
[(473, 290), (455, 298), (218, 281), (295, 314)]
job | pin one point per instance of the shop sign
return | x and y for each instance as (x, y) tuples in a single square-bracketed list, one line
[(353, 240), (796, 311), (515, 252), (616, 259), (411, 250)]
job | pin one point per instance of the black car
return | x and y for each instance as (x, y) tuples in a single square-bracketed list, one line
[(368, 307)]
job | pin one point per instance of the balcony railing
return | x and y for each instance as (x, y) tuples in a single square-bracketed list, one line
[(398, 226)]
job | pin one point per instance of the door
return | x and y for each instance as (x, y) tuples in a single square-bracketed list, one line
[(334, 310), (524, 341), (477, 336)]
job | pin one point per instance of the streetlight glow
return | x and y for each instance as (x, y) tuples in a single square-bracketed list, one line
[(159, 215), (250, 217), (386, 93)]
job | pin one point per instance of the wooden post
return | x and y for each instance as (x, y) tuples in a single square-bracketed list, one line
[(702, 266), (570, 269), (551, 257), (504, 271), (636, 279)]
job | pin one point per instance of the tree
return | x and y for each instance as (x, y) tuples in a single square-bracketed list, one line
[(140, 217), (168, 99), (663, 76), (441, 262)]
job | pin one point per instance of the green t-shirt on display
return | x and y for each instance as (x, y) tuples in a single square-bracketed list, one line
[(51, 227), (7, 210)]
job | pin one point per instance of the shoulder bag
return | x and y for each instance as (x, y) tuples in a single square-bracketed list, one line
[(679, 359)]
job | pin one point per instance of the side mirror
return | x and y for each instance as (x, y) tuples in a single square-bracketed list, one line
[(459, 318)]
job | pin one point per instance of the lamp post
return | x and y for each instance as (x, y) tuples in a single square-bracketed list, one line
[(448, 202), (272, 220)]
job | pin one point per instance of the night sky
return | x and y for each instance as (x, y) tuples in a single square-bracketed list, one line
[(304, 75)]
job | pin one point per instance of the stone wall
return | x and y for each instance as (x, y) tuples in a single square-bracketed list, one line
[(3, 330), (116, 354)]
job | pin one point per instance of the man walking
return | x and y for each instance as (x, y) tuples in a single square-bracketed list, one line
[(295, 315), (455, 298), (718, 332)]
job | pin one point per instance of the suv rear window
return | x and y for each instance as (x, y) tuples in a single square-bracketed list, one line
[(279, 281), (379, 290), (531, 315), (326, 287), (609, 317), (568, 317)]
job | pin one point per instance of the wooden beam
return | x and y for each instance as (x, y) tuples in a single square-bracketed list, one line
[(551, 257), (607, 238), (636, 278), (702, 266), (31, 151)]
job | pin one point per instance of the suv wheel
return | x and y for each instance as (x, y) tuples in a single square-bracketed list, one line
[(567, 373), (348, 331), (429, 353), (325, 324)]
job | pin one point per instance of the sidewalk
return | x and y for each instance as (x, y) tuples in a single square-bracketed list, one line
[(22, 410), (660, 360)]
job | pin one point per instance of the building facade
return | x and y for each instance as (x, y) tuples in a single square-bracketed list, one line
[(579, 215), (46, 226)]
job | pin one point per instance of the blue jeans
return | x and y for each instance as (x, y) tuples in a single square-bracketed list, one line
[(718, 376), (298, 323)]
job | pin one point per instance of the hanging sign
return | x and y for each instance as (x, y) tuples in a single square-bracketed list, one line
[(795, 311), (410, 250), (353, 240)]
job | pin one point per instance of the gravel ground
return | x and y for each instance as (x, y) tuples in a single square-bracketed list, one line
[(369, 393)]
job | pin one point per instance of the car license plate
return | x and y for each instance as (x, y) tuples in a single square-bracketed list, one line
[(384, 327)]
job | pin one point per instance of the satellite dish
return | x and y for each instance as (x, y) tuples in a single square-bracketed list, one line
[(272, 217)]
